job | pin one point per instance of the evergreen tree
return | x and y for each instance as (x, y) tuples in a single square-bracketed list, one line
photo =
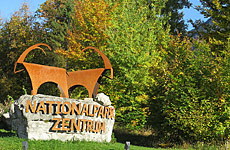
[(217, 30), (176, 21), (56, 16)]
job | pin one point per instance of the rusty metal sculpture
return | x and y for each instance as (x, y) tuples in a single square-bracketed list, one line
[(66, 81)]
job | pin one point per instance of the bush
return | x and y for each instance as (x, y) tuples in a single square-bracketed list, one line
[(195, 98), (4, 108)]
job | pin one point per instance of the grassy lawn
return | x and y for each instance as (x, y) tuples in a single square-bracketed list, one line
[(9, 141), (14, 143)]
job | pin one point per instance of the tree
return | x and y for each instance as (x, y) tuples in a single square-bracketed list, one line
[(57, 20), (217, 32), (176, 21), (73, 25), (17, 34), (134, 39), (194, 93), (90, 19)]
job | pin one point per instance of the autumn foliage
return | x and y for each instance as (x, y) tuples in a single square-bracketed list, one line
[(91, 19)]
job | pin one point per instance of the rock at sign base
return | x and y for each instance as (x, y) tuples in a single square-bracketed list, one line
[(43, 117), (103, 99)]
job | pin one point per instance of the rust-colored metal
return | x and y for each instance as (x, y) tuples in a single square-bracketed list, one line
[(66, 81)]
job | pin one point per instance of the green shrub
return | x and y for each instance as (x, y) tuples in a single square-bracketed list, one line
[(196, 95), (4, 107)]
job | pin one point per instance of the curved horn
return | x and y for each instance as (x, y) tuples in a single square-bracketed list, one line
[(104, 57), (24, 54)]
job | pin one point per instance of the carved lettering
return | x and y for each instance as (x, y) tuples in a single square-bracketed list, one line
[(94, 127), (29, 106), (89, 108), (89, 125), (41, 107), (101, 112), (68, 109), (112, 116), (58, 107), (54, 128), (50, 105), (65, 122), (83, 124), (75, 108), (74, 125), (84, 110), (106, 112)]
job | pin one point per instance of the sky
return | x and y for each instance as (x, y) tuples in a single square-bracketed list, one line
[(8, 7)]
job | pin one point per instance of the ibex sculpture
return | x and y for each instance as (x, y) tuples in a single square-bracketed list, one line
[(66, 81)]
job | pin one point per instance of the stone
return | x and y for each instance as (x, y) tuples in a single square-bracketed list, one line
[(43, 117), (103, 99), (6, 121), (6, 115)]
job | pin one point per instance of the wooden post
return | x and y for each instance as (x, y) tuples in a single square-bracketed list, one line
[(25, 145), (127, 145)]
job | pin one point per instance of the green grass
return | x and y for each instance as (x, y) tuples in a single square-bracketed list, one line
[(14, 143), (9, 141)]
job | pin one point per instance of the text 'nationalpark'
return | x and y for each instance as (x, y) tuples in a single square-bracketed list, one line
[(67, 108)]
